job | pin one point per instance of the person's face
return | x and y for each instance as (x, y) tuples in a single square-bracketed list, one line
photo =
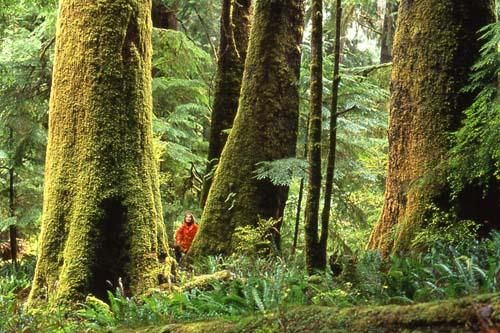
[(188, 219)]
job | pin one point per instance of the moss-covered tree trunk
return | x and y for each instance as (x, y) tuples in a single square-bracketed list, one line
[(102, 216), (435, 46), (234, 34), (315, 259), (388, 28), (265, 128), (332, 145)]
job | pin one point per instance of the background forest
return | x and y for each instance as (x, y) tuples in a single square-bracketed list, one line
[(454, 251)]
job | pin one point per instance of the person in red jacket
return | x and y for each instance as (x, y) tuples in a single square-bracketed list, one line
[(184, 235)]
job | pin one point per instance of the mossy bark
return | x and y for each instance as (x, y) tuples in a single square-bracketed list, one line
[(315, 258), (234, 34), (102, 217), (265, 128), (435, 46), (471, 314)]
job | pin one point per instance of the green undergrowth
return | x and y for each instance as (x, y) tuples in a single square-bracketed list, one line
[(263, 285)]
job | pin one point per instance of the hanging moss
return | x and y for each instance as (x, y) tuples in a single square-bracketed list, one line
[(102, 216), (435, 46), (265, 128)]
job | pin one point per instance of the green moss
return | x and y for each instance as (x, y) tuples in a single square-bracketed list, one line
[(442, 316), (102, 212), (264, 129), (315, 250), (435, 46), (235, 26)]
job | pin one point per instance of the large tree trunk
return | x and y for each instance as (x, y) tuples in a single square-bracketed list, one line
[(391, 8), (435, 46), (265, 128), (315, 259), (234, 31), (102, 216)]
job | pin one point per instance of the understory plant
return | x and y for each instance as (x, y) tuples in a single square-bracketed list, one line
[(260, 284)]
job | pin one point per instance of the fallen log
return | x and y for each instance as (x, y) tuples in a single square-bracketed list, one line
[(200, 282), (480, 313)]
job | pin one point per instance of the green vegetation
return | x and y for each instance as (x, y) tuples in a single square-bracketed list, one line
[(447, 280), (266, 285)]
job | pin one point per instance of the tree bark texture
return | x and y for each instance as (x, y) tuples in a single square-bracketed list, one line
[(314, 256), (234, 34), (12, 204), (332, 146), (435, 47), (388, 28), (102, 216), (12, 213), (265, 128), (301, 195), (163, 16)]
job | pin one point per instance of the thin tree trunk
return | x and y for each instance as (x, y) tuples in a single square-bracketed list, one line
[(163, 16), (301, 195), (388, 29), (234, 32), (102, 215), (12, 208), (265, 129), (297, 217), (330, 166), (436, 44), (314, 257)]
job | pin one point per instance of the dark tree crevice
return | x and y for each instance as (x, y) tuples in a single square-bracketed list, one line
[(112, 248)]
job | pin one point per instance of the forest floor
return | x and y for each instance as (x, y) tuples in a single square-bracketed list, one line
[(480, 313)]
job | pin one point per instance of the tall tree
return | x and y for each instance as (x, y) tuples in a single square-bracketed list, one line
[(164, 16), (314, 244), (234, 31), (102, 216), (12, 210), (332, 146), (264, 128), (388, 29), (435, 45)]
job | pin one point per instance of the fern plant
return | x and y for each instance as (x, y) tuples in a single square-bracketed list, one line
[(475, 156)]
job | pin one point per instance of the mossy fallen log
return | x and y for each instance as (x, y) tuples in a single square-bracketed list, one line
[(201, 282), (205, 281), (480, 313)]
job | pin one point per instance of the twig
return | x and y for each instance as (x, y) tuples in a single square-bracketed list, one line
[(354, 107), (365, 70), (46, 47)]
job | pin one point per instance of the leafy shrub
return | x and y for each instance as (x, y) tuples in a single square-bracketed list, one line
[(445, 228)]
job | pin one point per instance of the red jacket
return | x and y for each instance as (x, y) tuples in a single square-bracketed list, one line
[(184, 235)]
